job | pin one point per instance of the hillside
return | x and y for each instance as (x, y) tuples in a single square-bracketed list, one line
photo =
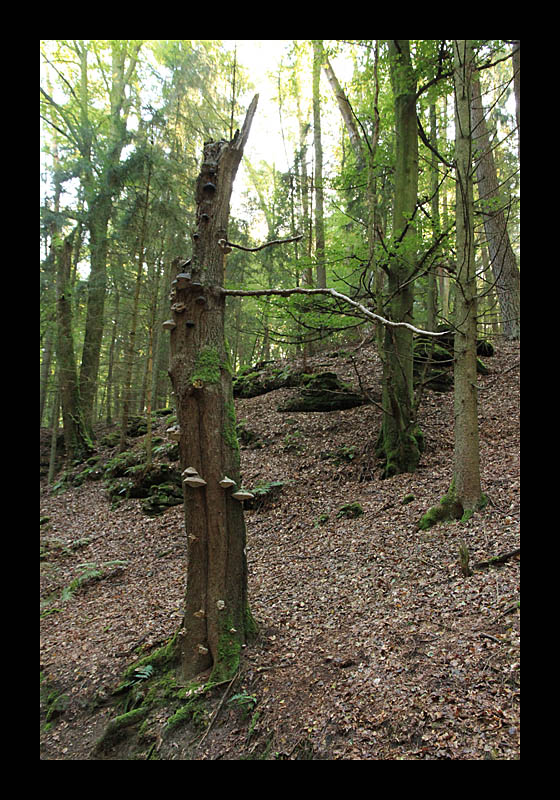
[(372, 644)]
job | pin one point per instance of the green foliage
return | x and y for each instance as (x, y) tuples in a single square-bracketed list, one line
[(90, 571)]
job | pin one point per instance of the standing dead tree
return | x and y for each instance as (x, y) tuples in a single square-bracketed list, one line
[(217, 620)]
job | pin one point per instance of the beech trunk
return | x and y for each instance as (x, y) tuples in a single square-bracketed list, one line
[(502, 258), (400, 440), (466, 489)]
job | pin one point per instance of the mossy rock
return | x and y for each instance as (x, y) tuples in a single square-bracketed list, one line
[(163, 497), (160, 485), (324, 392), (484, 348), (119, 465), (137, 426), (263, 379), (248, 438), (433, 361)]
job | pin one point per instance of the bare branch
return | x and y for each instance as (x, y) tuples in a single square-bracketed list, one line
[(225, 243), (338, 295)]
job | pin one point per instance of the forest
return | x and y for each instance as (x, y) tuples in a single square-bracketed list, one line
[(279, 399)]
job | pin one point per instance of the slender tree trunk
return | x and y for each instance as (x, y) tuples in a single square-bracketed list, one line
[(347, 115), (304, 194), (46, 367), (98, 221), (432, 297), (466, 490), (54, 435), (77, 442), (502, 257), (319, 218), (110, 366), (134, 322), (400, 440), (516, 89), (217, 620), (99, 192)]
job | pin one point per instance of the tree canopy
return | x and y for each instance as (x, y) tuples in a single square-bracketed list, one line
[(123, 124)]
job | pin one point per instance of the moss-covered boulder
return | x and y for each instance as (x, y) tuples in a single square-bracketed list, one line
[(160, 485), (433, 361), (263, 378), (324, 392)]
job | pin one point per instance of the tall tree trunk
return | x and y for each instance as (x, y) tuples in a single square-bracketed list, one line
[(432, 297), (217, 620), (516, 89), (400, 440), (46, 367), (502, 257), (99, 193), (98, 221), (319, 218), (111, 362), (347, 115), (466, 490), (77, 443), (132, 333)]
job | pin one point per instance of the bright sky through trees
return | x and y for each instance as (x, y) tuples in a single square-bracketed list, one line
[(271, 134)]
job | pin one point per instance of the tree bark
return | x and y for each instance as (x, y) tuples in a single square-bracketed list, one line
[(98, 220), (502, 257), (516, 58), (319, 221), (99, 193), (400, 439), (466, 485), (217, 619), (76, 440), (130, 351), (347, 115)]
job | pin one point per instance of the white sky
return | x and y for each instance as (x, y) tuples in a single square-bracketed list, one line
[(261, 58)]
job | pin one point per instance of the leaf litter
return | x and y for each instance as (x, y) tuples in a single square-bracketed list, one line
[(372, 644)]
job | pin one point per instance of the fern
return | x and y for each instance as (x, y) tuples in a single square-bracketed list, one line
[(91, 572), (142, 673)]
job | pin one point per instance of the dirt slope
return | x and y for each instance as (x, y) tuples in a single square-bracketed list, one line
[(372, 644)]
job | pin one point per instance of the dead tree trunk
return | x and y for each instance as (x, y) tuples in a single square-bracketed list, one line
[(217, 619)]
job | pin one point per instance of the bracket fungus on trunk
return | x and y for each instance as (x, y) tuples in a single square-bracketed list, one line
[(226, 482), (169, 324), (242, 494), (174, 433), (194, 481), (183, 279)]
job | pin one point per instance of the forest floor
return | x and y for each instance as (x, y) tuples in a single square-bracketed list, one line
[(372, 646)]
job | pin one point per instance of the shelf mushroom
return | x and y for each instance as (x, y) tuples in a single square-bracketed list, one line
[(242, 494), (194, 481), (183, 279), (174, 433), (226, 482), (189, 471), (169, 324)]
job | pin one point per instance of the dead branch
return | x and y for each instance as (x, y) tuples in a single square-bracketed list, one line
[(497, 559), (298, 290), (225, 243)]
